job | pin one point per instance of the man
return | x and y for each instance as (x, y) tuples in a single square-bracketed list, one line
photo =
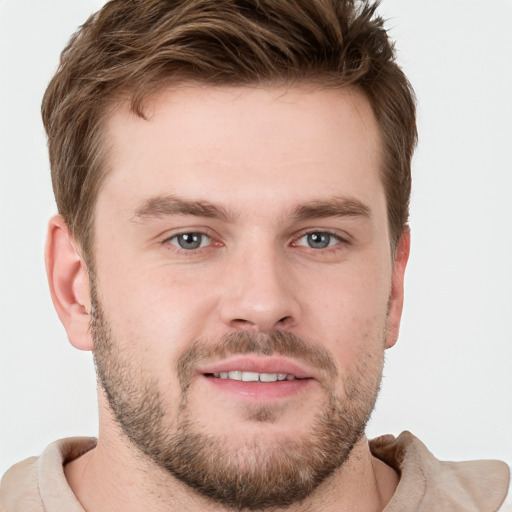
[(233, 183)]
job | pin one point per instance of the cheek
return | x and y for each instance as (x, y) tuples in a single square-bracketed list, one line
[(350, 313), (154, 314)]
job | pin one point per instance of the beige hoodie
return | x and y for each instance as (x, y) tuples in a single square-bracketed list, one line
[(426, 484)]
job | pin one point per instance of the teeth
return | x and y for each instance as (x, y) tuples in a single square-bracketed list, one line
[(253, 376), (250, 377)]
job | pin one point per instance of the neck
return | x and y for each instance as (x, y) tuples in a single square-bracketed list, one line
[(116, 477)]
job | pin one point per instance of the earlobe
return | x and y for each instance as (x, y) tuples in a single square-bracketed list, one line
[(396, 298), (69, 283)]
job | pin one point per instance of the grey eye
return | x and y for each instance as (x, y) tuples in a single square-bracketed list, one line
[(190, 241), (318, 240)]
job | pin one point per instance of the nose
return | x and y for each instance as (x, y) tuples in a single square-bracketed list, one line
[(260, 292)]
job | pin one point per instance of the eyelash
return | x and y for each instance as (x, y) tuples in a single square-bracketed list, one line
[(339, 240), (191, 251)]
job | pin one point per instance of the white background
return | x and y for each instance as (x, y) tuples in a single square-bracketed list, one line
[(449, 379)]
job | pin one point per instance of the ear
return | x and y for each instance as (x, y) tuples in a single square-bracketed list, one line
[(69, 283), (396, 298)]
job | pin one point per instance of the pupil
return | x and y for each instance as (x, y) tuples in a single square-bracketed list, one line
[(319, 240), (190, 241)]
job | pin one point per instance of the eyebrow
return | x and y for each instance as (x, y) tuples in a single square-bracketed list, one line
[(333, 207), (162, 206)]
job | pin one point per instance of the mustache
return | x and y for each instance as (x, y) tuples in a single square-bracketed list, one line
[(246, 342)]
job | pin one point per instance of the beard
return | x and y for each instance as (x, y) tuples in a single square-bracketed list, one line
[(256, 473)]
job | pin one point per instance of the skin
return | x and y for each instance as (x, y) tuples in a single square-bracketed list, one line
[(260, 154)]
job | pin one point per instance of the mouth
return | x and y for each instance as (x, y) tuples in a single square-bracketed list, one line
[(259, 378), (252, 376)]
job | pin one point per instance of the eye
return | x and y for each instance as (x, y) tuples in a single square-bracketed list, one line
[(190, 241), (318, 240)]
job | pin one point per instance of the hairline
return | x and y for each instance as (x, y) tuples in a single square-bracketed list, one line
[(126, 98)]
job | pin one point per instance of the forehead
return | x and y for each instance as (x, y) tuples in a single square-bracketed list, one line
[(283, 145)]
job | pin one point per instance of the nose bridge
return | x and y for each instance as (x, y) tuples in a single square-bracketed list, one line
[(259, 292)]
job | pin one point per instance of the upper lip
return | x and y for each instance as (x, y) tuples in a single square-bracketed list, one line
[(259, 364)]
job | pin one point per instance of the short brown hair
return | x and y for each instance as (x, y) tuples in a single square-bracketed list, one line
[(135, 47)]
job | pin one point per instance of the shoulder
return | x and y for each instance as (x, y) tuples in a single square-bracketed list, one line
[(427, 483), (19, 490), (38, 484), (507, 505)]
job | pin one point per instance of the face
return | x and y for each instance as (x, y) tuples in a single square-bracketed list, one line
[(244, 289)]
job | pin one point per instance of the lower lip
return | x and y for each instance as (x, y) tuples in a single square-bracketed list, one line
[(260, 391)]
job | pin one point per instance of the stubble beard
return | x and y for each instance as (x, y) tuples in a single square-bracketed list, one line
[(253, 474)]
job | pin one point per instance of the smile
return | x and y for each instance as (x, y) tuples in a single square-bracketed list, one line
[(253, 376), (259, 379)]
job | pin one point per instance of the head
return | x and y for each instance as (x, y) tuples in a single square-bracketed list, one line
[(233, 180), (131, 49)]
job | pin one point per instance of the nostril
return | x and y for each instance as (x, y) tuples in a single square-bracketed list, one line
[(242, 323)]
